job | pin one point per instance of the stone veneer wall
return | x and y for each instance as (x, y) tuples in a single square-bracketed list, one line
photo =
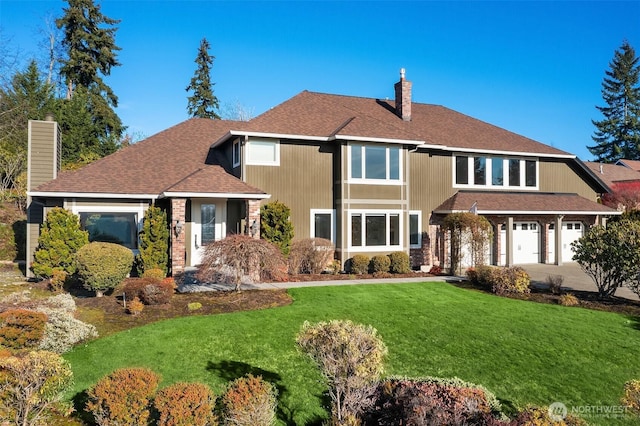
[(178, 251)]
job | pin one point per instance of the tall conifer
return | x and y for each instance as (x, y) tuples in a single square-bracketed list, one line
[(202, 103)]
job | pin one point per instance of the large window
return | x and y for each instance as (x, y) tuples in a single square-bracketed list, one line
[(375, 163), (495, 172), (375, 229), (111, 227), (263, 152), (322, 224)]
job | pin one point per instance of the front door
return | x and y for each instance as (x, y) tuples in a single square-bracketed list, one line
[(209, 225)]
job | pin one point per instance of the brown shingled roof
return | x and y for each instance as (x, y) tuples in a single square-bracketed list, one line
[(612, 173), (492, 202), (162, 161)]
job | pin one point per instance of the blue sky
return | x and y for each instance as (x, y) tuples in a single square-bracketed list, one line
[(534, 68)]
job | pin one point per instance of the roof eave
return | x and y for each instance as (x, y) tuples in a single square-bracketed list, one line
[(533, 212), (102, 195), (233, 195)]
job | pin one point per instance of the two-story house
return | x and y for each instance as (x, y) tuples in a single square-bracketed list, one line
[(372, 175)]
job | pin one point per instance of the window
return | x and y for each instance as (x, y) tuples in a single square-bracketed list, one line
[(263, 152), (494, 172), (375, 163), (514, 172), (525, 226), (479, 171), (235, 153), (111, 227), (530, 178), (462, 170), (208, 219), (415, 231), (322, 225), (497, 174), (376, 229)]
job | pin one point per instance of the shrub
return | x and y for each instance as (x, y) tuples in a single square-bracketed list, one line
[(132, 287), (194, 306), (154, 243), (431, 401), (380, 264), (569, 300), (58, 278), (157, 293), (276, 226), (122, 398), (250, 401), (555, 283), (400, 263), (631, 397), (21, 328), (435, 270), (154, 274), (534, 416), (240, 257), (350, 357), (62, 302), (60, 238), (310, 256), (102, 266), (513, 280), (32, 384), (135, 306), (359, 264), (63, 330), (185, 404)]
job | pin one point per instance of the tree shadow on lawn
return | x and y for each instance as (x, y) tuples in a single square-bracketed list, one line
[(635, 321), (232, 370)]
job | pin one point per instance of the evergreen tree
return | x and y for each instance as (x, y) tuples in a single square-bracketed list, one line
[(276, 226), (618, 134), (89, 38), (27, 97), (154, 241), (203, 103)]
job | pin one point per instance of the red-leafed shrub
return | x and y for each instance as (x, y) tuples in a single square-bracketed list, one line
[(123, 397), (250, 401), (431, 401), (157, 293), (185, 404), (21, 328), (150, 291), (436, 270)]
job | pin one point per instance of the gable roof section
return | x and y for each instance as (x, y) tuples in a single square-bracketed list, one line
[(150, 167), (632, 164), (328, 117), (526, 203), (613, 173)]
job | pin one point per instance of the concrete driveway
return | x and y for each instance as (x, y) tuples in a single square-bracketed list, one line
[(574, 278)]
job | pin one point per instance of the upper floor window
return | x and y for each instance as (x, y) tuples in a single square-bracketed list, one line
[(495, 172), (235, 153), (375, 163), (263, 152)]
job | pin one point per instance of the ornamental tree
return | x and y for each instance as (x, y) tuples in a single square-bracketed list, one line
[(351, 359), (276, 226), (154, 241), (60, 238), (468, 229), (610, 255)]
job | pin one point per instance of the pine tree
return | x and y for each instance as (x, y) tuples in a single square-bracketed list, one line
[(89, 38), (203, 103), (618, 134)]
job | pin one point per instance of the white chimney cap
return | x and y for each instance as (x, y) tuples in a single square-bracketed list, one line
[(402, 72)]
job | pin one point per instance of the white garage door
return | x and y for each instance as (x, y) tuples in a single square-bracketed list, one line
[(526, 243), (571, 231)]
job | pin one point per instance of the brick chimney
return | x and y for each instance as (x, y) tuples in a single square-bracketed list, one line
[(403, 97)]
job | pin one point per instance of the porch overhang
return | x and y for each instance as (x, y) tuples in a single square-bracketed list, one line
[(232, 195)]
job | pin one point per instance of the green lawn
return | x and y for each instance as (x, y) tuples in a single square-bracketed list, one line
[(523, 351)]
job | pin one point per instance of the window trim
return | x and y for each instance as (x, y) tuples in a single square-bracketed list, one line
[(235, 153), (139, 210), (419, 214), (489, 172), (377, 212), (249, 161), (370, 181), (312, 222)]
